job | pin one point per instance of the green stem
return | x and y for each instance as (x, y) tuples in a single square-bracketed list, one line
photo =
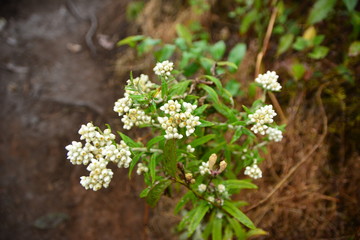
[(153, 150)]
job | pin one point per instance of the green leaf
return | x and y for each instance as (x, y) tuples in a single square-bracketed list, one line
[(298, 70), (165, 52), (129, 141), (205, 123), (237, 135), (320, 11), (179, 89), (249, 18), (157, 191), (226, 111), (239, 184), (202, 140), (239, 231), (237, 54), (217, 50), (285, 43), (200, 212), (207, 64), (185, 199), (216, 229), (152, 167), (131, 40), (247, 110), (164, 88), (134, 161), (252, 89), (354, 49), (228, 233), (146, 45), (155, 140), (184, 33), (233, 87), (170, 157), (200, 110), (212, 94), (229, 64), (214, 80), (145, 192), (301, 44), (255, 232), (239, 215), (350, 4), (319, 52)]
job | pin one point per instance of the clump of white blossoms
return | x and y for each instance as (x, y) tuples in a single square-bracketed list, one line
[(269, 81), (133, 115), (274, 134), (141, 168), (261, 117), (190, 149), (221, 188), (253, 171), (164, 69), (98, 150), (202, 188), (178, 118)]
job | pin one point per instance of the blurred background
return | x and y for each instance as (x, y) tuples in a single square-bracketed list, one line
[(60, 68)]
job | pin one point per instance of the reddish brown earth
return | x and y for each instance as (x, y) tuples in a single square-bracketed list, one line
[(46, 93)]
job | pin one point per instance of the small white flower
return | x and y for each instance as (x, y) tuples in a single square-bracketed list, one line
[(211, 199), (274, 134), (123, 105), (263, 115), (221, 188), (259, 128), (164, 68), (269, 81), (202, 188), (142, 83), (204, 168), (141, 168), (135, 116), (190, 149), (219, 214), (77, 155), (171, 107), (189, 107), (253, 171), (99, 177)]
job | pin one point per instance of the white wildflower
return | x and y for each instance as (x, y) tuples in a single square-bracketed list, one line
[(87, 132), (123, 105), (142, 83), (77, 155), (219, 214), (259, 128), (164, 68), (274, 134), (263, 115), (189, 107), (269, 81), (99, 177), (221, 188), (202, 188), (170, 127), (171, 107), (204, 168), (253, 171), (211, 199), (135, 116), (141, 168), (190, 149)]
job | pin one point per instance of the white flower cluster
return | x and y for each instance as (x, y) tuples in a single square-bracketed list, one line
[(190, 149), (269, 81), (141, 84), (202, 188), (164, 68), (98, 150), (135, 116), (261, 117), (99, 177), (204, 168), (177, 118), (141, 168), (274, 134), (124, 106), (253, 171), (221, 188)]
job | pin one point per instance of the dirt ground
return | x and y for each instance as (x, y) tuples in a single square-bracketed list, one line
[(47, 91)]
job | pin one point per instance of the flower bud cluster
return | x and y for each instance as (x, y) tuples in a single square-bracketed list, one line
[(99, 177), (253, 171), (141, 168), (274, 134), (269, 81), (124, 106), (202, 188), (204, 168), (261, 117), (178, 118), (98, 150), (190, 149), (164, 69)]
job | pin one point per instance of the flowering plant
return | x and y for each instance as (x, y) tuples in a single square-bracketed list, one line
[(200, 141)]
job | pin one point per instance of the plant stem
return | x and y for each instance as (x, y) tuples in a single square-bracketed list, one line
[(153, 150)]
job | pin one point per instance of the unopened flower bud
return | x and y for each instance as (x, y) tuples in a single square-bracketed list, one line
[(223, 166), (192, 181), (212, 161), (189, 176)]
